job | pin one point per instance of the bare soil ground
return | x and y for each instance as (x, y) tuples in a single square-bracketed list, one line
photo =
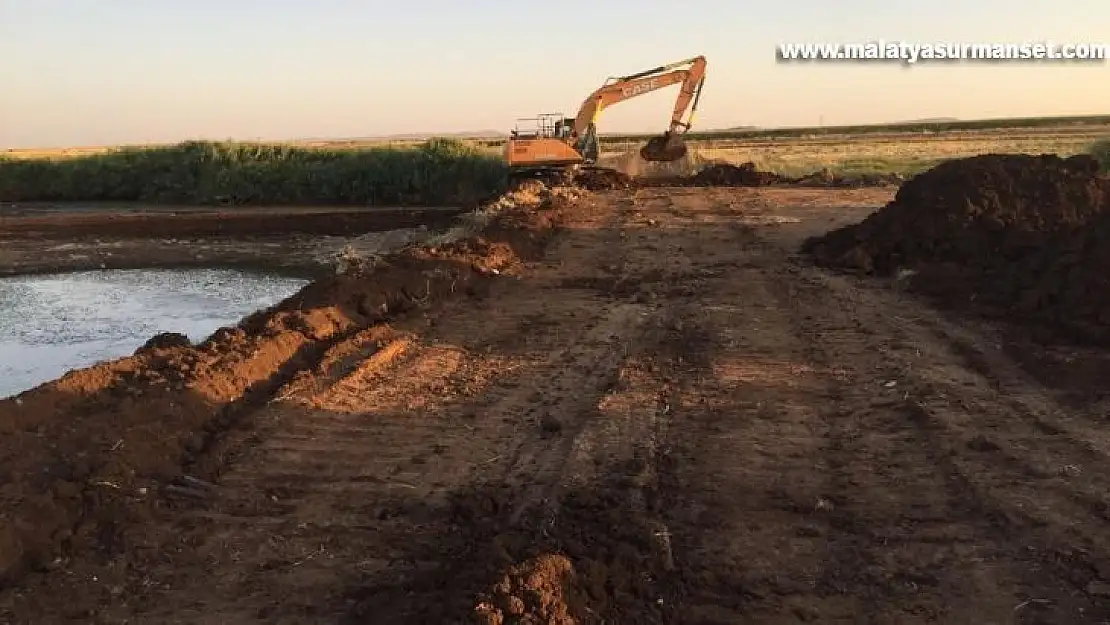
[(49, 238), (636, 407)]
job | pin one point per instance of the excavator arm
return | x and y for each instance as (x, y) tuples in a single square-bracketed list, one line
[(690, 73)]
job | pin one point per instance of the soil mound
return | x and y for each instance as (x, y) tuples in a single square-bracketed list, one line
[(1064, 285), (1026, 236), (602, 179), (744, 175), (984, 211)]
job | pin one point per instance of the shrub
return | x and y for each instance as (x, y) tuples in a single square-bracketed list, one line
[(1101, 151), (438, 172)]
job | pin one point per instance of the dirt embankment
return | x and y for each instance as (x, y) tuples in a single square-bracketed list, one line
[(64, 224), (1010, 233), (102, 447), (36, 239)]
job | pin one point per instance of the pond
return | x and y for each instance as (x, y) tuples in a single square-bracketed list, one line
[(54, 323)]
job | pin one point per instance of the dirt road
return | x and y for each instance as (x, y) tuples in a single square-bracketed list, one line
[(663, 418)]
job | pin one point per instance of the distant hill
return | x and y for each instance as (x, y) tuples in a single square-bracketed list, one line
[(466, 134), (930, 120), (409, 136)]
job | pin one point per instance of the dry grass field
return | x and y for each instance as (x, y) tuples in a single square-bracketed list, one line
[(888, 152)]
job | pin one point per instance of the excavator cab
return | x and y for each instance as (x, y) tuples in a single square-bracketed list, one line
[(541, 142)]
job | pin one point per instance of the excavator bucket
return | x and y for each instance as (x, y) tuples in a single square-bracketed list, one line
[(665, 148)]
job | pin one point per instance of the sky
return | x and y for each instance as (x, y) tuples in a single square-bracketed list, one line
[(105, 72)]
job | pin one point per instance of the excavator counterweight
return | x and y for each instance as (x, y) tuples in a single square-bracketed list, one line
[(559, 142)]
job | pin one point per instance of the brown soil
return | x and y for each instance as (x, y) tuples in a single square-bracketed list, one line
[(1064, 285), (633, 406)]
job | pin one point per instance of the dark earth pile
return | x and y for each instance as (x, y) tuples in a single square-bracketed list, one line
[(744, 175), (715, 175), (602, 179), (748, 175), (1065, 284), (1012, 232), (975, 211)]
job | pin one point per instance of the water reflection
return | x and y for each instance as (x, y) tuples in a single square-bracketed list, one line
[(51, 324)]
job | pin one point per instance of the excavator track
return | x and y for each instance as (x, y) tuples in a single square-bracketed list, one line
[(565, 175), (547, 175)]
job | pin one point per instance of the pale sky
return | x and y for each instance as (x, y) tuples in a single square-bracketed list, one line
[(96, 72)]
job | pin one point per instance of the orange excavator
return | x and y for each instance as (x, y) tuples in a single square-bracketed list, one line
[(557, 142)]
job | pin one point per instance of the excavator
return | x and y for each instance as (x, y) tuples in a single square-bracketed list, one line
[(554, 143)]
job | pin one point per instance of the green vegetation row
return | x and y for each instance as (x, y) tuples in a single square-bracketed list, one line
[(1024, 123), (438, 172)]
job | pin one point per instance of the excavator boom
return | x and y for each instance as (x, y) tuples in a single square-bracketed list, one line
[(626, 87), (690, 73)]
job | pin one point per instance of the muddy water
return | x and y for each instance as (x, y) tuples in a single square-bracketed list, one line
[(51, 324)]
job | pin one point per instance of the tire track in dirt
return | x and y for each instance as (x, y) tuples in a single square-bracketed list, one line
[(791, 457), (853, 503), (558, 445), (1052, 495), (996, 460), (362, 452), (903, 537), (725, 502), (601, 550)]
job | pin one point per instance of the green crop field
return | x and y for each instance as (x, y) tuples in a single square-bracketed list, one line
[(454, 171), (437, 172)]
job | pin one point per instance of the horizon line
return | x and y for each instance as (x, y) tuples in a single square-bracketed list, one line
[(494, 135)]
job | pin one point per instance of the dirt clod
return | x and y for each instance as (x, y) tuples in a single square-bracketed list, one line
[(550, 424), (166, 340), (541, 589)]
